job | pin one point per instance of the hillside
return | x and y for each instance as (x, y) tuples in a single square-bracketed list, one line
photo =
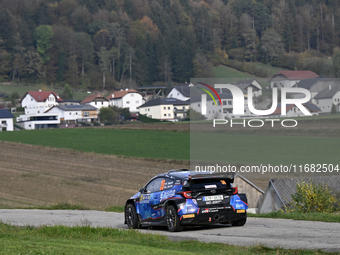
[(94, 44)]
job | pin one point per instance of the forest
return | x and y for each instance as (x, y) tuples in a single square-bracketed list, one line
[(108, 44)]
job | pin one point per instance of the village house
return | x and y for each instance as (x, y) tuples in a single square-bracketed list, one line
[(245, 84), (180, 92), (314, 85), (293, 111), (170, 109), (279, 192), (327, 97), (128, 98), (6, 120), (288, 79), (37, 102), (72, 114), (96, 100)]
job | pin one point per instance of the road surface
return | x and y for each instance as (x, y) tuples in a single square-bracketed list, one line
[(289, 234)]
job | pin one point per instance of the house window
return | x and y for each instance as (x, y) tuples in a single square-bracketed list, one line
[(168, 108), (199, 105), (102, 102), (148, 109), (224, 102), (96, 103), (76, 113), (229, 102), (177, 94), (212, 103), (137, 102), (86, 114), (3, 122), (132, 95), (70, 113), (164, 108), (31, 99), (183, 107), (164, 114), (169, 114), (219, 110), (127, 102)]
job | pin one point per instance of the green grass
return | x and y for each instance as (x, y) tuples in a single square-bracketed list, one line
[(231, 148), (119, 208), (86, 240), (22, 89), (229, 72), (272, 69), (130, 143), (326, 217)]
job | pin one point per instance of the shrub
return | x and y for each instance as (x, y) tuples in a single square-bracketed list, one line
[(108, 123), (96, 124), (311, 197), (333, 110)]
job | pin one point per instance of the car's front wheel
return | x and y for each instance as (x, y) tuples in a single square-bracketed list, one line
[(172, 219), (131, 216)]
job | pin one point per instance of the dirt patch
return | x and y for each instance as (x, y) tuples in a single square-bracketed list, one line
[(35, 175)]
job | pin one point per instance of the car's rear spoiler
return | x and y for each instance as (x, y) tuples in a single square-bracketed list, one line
[(209, 175)]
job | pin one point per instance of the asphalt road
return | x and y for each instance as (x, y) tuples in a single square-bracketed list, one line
[(289, 234)]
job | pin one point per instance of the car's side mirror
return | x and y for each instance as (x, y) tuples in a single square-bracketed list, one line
[(141, 190)]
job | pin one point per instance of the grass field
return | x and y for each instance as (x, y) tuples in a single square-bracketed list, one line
[(131, 143), (22, 89), (228, 72), (86, 240), (231, 148)]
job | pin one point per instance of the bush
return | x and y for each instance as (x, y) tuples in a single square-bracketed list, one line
[(311, 197), (96, 124), (108, 123), (333, 110)]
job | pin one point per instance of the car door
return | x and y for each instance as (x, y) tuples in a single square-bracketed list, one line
[(153, 194)]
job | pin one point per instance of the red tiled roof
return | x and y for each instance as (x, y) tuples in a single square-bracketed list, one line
[(120, 94), (41, 96), (91, 98), (297, 75)]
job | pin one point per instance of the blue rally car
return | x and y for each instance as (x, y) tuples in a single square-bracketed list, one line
[(183, 197)]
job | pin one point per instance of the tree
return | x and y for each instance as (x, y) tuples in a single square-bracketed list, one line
[(42, 36), (86, 51), (250, 43), (333, 110), (61, 65), (67, 93), (202, 67), (107, 114), (272, 45), (336, 62), (103, 62)]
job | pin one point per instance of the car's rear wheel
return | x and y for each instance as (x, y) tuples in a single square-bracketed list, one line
[(131, 216), (172, 219)]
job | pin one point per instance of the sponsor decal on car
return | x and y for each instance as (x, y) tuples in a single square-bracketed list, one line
[(185, 216), (240, 211)]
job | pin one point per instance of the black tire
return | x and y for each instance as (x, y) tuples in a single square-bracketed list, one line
[(172, 219), (239, 223), (131, 217)]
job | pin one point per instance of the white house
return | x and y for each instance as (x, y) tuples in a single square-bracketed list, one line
[(6, 120), (71, 114), (288, 79), (244, 84), (128, 98), (170, 109), (36, 102), (180, 92), (38, 121), (314, 85), (97, 101), (218, 111), (293, 111), (327, 97)]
